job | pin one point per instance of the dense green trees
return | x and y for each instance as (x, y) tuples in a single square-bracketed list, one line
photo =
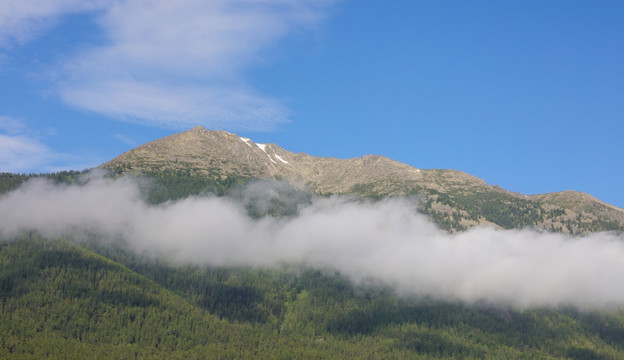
[(86, 299), (59, 299), (10, 181)]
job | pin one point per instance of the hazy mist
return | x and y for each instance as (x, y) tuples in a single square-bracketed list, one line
[(385, 242)]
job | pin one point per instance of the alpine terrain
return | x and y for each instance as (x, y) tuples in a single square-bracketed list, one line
[(73, 286), (454, 199)]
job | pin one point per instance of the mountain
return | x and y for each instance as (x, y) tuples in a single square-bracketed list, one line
[(222, 154), (454, 199), (92, 297)]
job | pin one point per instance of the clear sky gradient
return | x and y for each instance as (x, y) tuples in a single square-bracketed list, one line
[(528, 95)]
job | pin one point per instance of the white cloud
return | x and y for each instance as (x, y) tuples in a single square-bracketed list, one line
[(18, 152), (173, 106), (21, 154), (180, 63), (124, 139), (21, 21), (21, 151), (11, 125), (386, 242)]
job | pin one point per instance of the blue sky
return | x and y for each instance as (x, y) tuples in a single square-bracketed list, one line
[(528, 95)]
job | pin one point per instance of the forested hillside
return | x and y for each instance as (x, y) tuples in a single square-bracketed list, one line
[(61, 300), (83, 297)]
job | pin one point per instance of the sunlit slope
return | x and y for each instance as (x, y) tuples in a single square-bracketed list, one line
[(454, 199)]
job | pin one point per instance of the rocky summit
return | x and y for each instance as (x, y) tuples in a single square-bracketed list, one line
[(454, 199)]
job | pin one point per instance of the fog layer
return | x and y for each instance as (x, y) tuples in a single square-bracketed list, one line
[(385, 242)]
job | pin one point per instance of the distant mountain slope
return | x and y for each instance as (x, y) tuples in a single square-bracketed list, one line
[(222, 154), (454, 199)]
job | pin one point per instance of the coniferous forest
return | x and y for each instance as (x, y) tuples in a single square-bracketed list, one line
[(83, 298)]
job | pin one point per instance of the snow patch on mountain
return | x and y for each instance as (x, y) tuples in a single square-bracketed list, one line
[(263, 148), (280, 159), (246, 141)]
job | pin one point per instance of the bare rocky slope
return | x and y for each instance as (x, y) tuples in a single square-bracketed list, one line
[(454, 199)]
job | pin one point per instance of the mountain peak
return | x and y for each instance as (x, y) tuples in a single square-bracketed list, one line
[(221, 154), (198, 128), (454, 196)]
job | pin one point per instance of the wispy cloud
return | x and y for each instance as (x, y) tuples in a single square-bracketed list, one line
[(124, 139), (21, 151), (21, 21), (172, 64), (385, 242), (174, 106), (21, 154), (11, 125)]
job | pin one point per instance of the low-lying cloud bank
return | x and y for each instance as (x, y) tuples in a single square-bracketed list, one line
[(385, 242)]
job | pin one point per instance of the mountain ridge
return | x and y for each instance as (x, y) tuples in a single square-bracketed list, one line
[(223, 156), (75, 297), (454, 198)]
